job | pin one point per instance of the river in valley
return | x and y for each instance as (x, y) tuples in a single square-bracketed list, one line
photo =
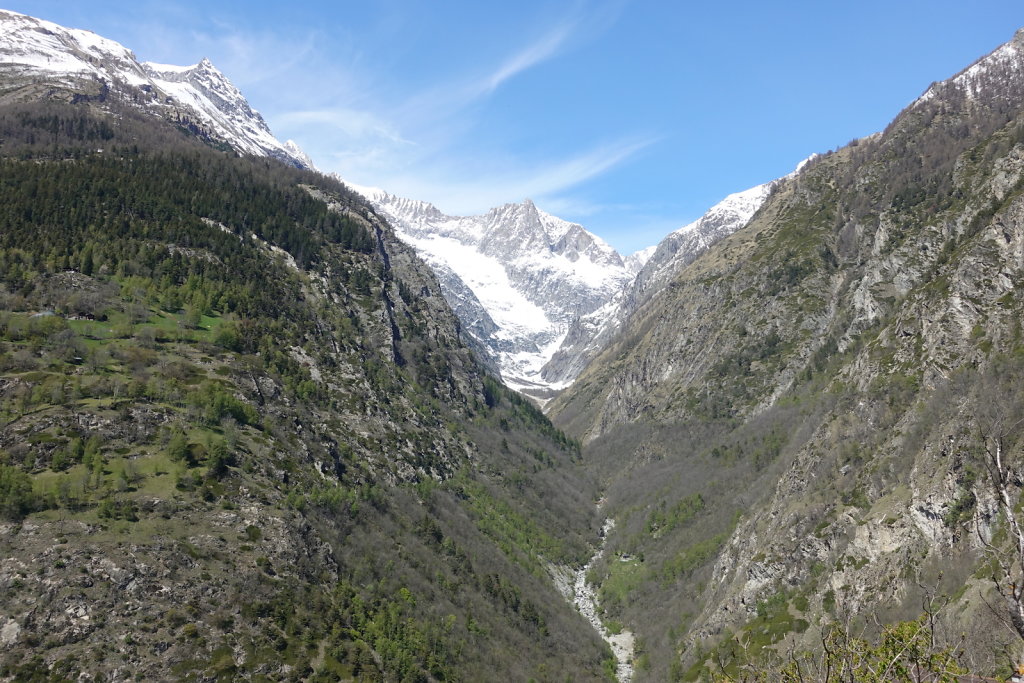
[(572, 583)]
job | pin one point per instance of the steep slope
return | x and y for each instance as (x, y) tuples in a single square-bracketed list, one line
[(240, 438), (654, 270), (541, 296), (518, 277), (41, 59), (793, 432)]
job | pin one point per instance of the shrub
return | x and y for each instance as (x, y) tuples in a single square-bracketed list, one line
[(17, 497)]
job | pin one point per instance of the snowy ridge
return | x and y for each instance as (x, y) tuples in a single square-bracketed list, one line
[(517, 276), (637, 260), (36, 45), (297, 153), (34, 51), (205, 90), (685, 244), (682, 246), (655, 268), (1005, 63)]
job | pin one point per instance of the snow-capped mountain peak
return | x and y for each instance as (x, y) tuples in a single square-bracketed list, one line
[(651, 270), (517, 276), (297, 152), (206, 79), (525, 229), (205, 89), (736, 208), (540, 293), (35, 53)]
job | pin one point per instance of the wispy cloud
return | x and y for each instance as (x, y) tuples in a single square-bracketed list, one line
[(575, 171), (350, 122), (531, 55), (261, 57), (455, 191), (580, 207), (446, 109), (339, 95)]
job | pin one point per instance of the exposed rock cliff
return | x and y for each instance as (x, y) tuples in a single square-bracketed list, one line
[(791, 430)]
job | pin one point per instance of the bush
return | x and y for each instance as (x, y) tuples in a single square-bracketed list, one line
[(17, 497), (219, 459), (118, 509)]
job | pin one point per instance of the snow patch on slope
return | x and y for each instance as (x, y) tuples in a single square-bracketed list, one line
[(45, 46), (205, 90), (1006, 61), (638, 259), (514, 314)]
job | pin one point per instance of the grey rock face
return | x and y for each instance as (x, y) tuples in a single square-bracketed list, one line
[(589, 334), (868, 317)]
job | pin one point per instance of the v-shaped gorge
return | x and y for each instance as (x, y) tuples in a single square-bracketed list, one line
[(252, 426)]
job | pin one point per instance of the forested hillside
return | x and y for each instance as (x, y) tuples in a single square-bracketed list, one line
[(240, 438)]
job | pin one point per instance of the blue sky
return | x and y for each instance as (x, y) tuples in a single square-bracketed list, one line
[(631, 118)]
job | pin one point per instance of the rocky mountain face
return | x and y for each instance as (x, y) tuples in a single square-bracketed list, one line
[(655, 268), (794, 432), (243, 439), (42, 59), (517, 277)]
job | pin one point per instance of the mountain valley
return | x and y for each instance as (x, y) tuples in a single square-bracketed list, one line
[(260, 424)]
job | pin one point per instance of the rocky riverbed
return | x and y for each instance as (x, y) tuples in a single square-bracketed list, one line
[(572, 583)]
